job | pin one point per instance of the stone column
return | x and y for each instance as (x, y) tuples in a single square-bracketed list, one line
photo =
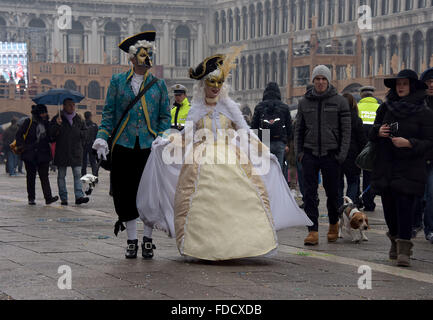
[(165, 58), (220, 29), (379, 8), (346, 11), (412, 55), (326, 12), (289, 15), (366, 58), (272, 30), (376, 57), (257, 23), (336, 12), (199, 55), (387, 67), (280, 23), (86, 48), (57, 40), (241, 27), (298, 14), (65, 47)]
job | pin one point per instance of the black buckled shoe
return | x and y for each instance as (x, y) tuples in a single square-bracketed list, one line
[(131, 249), (147, 248)]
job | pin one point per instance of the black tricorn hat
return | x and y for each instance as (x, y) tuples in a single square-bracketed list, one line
[(146, 35), (405, 74), (208, 65)]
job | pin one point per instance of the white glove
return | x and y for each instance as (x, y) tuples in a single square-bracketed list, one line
[(160, 141), (101, 147)]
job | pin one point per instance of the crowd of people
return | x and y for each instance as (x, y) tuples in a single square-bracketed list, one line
[(63, 142), (234, 210), (331, 130)]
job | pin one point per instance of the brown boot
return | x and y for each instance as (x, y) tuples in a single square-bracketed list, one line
[(393, 249), (404, 252), (333, 232), (312, 239)]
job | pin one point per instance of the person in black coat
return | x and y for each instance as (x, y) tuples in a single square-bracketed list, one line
[(37, 152), (358, 140), (402, 133), (274, 115)]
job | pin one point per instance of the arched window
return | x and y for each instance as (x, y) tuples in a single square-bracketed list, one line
[(373, 6), (75, 43), (341, 10), (293, 20), (429, 57), (321, 13), (352, 10), (251, 70), (276, 17), (267, 73), (111, 41), (230, 25), (421, 4), (283, 67), (235, 83), (395, 6), (405, 46), (348, 47), (274, 72), (238, 25), (260, 19), (385, 6), (217, 28), (37, 35), (311, 12), (3, 34), (245, 25), (258, 71), (182, 46), (268, 14), (418, 43), (302, 14), (223, 27), (408, 5), (393, 46), (70, 84), (285, 21), (370, 56), (381, 50), (331, 10), (252, 15), (94, 90), (244, 73)]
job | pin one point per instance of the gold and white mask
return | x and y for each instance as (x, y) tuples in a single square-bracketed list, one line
[(215, 79)]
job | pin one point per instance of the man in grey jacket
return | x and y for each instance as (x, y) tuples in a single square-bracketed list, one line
[(322, 139)]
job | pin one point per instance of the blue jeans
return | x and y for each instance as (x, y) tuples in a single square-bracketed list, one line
[(12, 163), (428, 195), (278, 149), (61, 183), (352, 188)]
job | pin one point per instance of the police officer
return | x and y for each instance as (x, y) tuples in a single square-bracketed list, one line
[(367, 107), (181, 107)]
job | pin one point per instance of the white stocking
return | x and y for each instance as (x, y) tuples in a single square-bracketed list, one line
[(131, 229)]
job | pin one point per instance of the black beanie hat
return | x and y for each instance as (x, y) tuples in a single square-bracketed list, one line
[(38, 109)]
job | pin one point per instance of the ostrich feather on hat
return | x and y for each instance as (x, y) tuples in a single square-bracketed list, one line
[(223, 62)]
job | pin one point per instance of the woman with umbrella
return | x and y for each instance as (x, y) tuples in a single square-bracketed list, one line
[(32, 136)]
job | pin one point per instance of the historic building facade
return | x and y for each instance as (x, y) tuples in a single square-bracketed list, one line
[(83, 54)]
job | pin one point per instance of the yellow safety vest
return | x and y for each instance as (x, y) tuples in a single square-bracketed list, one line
[(182, 114), (367, 109)]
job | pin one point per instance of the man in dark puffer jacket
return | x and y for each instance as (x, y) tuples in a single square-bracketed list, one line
[(274, 115), (322, 139)]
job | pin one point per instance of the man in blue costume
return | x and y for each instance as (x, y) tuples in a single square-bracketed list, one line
[(131, 145)]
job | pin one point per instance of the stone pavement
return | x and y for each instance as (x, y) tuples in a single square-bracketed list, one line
[(36, 240)]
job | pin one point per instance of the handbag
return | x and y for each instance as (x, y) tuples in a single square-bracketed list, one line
[(20, 149), (106, 164), (366, 158)]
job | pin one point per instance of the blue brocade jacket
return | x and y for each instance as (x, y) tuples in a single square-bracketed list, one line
[(148, 118)]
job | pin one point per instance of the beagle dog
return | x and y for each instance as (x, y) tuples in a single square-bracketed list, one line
[(353, 223)]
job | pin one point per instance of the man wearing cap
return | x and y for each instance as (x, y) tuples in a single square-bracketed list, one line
[(367, 107), (427, 77), (181, 107), (322, 139), (145, 121)]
